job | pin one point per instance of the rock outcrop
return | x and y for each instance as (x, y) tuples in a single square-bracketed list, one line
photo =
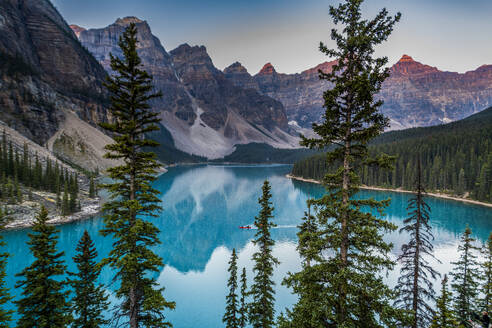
[(203, 110), (44, 71), (414, 95)]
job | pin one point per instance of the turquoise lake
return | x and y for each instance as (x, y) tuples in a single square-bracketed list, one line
[(203, 208)]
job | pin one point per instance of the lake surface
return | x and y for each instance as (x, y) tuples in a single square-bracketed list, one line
[(203, 208)]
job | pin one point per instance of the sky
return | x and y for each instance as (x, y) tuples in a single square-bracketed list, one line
[(453, 35)]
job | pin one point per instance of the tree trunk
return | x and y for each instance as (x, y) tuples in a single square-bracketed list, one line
[(133, 293), (344, 218)]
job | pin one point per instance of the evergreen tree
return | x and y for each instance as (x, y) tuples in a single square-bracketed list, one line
[(465, 278), (487, 275), (415, 289), (444, 315), (92, 188), (43, 302), (65, 201), (351, 251), (306, 313), (261, 309), (90, 300), (243, 310), (132, 197), (5, 315), (230, 317)]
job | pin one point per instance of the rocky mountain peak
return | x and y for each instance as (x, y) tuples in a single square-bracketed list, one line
[(408, 66), (267, 69), (406, 59), (325, 67), (127, 20), (236, 67), (77, 29)]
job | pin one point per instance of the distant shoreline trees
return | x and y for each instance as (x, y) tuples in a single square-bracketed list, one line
[(455, 160)]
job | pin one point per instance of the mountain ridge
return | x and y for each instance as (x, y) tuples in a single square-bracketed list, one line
[(203, 111), (415, 94)]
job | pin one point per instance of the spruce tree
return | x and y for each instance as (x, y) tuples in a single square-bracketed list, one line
[(486, 303), (243, 310), (43, 302), (352, 254), (306, 312), (132, 197), (65, 202), (444, 315), (92, 188), (90, 300), (466, 277), (5, 315), (261, 309), (415, 288), (230, 317)]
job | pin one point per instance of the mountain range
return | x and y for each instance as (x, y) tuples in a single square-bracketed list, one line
[(414, 95), (51, 91), (205, 113)]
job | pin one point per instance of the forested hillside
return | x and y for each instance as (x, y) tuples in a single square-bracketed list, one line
[(456, 158)]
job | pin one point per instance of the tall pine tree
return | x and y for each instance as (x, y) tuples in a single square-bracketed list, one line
[(243, 310), (486, 303), (415, 288), (43, 302), (132, 197), (90, 300), (230, 317), (261, 309), (351, 252), (5, 315), (444, 316), (466, 277)]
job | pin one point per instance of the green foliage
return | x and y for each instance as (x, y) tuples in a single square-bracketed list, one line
[(261, 309), (132, 197), (90, 300), (348, 247), (5, 315), (263, 153), (306, 312), (243, 309), (456, 158), (43, 302), (486, 302), (17, 170), (444, 316), (92, 188), (231, 315), (415, 288), (466, 278)]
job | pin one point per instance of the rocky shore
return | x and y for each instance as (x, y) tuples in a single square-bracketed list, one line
[(438, 195)]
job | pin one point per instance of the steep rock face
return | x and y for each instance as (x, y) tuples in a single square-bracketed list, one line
[(204, 112), (44, 69), (414, 95), (240, 77), (301, 94), (103, 41), (420, 95), (77, 29)]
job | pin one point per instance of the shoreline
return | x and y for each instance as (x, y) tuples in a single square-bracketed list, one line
[(88, 211), (437, 195)]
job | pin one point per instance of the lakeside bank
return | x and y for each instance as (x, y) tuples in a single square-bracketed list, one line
[(437, 195)]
